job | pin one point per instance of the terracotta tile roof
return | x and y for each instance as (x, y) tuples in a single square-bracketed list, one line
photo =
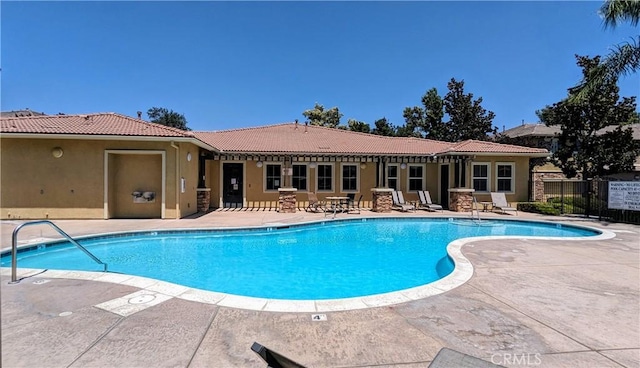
[(279, 138), (292, 138), (90, 124), (473, 146), (535, 130)]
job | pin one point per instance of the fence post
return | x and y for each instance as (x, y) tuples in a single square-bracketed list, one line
[(587, 210), (562, 196), (600, 199)]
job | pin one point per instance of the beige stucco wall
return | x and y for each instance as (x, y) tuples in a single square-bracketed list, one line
[(256, 196), (213, 181), (189, 171), (130, 173), (521, 177), (36, 185)]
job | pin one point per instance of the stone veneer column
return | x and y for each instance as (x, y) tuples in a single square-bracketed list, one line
[(287, 200), (538, 183), (204, 199), (461, 199), (382, 200)]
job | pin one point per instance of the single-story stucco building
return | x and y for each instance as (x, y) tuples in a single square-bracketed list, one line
[(107, 165)]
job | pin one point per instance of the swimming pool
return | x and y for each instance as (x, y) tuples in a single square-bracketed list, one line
[(324, 260)]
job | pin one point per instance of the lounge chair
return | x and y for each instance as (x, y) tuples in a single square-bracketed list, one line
[(500, 203), (352, 205), (426, 203), (399, 203), (315, 205)]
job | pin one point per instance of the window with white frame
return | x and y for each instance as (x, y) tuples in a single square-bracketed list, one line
[(272, 176), (416, 177), (480, 177), (325, 177), (299, 178), (350, 177), (392, 177), (505, 176)]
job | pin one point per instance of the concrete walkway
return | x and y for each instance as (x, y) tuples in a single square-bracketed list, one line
[(529, 303)]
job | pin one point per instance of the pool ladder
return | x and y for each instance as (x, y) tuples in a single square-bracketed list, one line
[(14, 246), (474, 207)]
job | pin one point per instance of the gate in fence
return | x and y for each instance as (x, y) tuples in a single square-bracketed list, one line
[(592, 198)]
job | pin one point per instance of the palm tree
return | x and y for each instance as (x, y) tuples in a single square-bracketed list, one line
[(624, 59), (615, 11)]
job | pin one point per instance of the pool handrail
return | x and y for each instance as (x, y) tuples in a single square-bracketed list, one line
[(14, 246)]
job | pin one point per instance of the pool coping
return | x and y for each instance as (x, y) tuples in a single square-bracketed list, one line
[(463, 271)]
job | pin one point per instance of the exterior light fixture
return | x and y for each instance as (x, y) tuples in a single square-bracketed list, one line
[(259, 164), (403, 166), (363, 166), (57, 152), (188, 156), (312, 165)]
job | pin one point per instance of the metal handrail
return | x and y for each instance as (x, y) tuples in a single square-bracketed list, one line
[(14, 246), (474, 207)]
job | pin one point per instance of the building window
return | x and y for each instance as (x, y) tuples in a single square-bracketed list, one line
[(554, 145), (299, 178), (350, 178), (392, 177), (480, 177), (416, 177), (505, 176), (272, 176), (325, 177)]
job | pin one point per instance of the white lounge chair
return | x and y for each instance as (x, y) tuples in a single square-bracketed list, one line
[(500, 203), (426, 203), (399, 203)]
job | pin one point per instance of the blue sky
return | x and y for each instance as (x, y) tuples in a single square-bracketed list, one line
[(239, 64)]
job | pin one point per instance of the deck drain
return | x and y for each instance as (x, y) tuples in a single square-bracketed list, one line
[(141, 299), (64, 314), (40, 282)]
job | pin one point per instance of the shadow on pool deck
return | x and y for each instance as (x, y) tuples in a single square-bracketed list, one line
[(546, 303)]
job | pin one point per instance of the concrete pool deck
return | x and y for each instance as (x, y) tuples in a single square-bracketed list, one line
[(528, 303)]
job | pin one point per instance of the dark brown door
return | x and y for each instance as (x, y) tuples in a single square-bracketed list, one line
[(232, 179), (444, 186)]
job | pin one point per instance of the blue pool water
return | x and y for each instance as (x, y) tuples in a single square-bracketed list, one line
[(329, 260)]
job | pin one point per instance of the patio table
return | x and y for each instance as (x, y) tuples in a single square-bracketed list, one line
[(337, 204)]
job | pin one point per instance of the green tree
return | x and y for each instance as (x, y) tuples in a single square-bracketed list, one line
[(429, 118), (467, 118), (624, 59), (407, 131), (383, 127), (319, 116), (358, 126), (170, 118), (581, 147)]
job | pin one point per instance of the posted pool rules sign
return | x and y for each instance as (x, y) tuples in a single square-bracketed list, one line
[(624, 195)]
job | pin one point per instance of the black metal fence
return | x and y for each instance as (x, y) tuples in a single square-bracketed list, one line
[(589, 198)]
